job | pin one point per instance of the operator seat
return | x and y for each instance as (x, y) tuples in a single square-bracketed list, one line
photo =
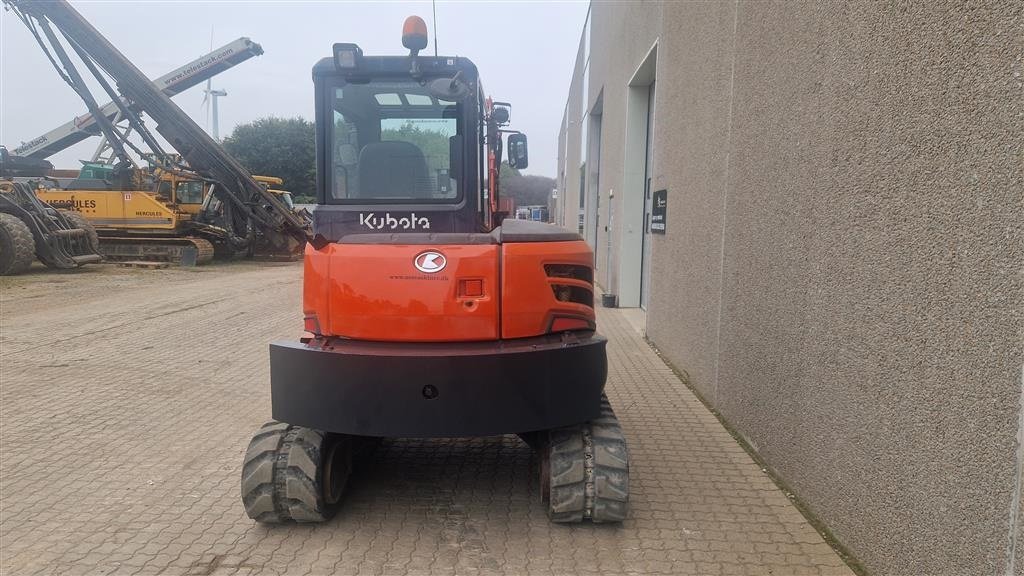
[(393, 169)]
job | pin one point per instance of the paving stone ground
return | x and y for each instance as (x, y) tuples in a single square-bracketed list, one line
[(127, 398)]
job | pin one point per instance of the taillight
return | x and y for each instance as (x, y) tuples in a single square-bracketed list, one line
[(563, 323), (311, 324)]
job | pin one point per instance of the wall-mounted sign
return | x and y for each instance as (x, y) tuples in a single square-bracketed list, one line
[(659, 209)]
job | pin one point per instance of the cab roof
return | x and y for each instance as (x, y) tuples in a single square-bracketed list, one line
[(370, 66)]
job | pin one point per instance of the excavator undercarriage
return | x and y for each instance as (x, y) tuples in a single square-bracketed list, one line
[(178, 250)]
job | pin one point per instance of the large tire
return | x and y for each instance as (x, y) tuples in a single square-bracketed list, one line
[(294, 474), (80, 221), (17, 247), (585, 471)]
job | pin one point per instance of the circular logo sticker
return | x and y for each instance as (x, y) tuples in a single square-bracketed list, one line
[(430, 262)]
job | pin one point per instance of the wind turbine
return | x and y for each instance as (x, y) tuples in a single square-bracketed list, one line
[(210, 97), (210, 101)]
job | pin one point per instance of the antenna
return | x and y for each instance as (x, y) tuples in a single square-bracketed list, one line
[(433, 5)]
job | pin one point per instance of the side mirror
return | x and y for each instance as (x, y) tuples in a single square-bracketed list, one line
[(518, 154)]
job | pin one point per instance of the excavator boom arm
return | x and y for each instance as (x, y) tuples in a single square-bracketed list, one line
[(172, 83), (201, 152)]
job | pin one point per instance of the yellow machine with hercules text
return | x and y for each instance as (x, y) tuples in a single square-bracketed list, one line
[(153, 217)]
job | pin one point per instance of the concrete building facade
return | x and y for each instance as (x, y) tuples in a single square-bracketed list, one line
[(840, 269)]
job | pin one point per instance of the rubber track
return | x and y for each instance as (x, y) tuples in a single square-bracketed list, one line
[(204, 250), (162, 249), (23, 245), (281, 475), (589, 466)]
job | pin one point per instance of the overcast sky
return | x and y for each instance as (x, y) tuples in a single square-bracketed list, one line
[(524, 50)]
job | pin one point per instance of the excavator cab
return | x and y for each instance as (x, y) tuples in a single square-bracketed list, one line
[(426, 314), (398, 153), (185, 190), (267, 182)]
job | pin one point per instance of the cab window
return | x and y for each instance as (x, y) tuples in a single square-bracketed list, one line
[(392, 141), (189, 192)]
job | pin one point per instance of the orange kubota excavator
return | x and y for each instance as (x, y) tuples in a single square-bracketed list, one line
[(426, 313)]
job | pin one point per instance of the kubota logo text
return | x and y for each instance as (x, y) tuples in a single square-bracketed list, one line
[(429, 262), (387, 221)]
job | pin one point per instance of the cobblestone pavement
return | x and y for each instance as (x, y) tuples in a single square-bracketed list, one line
[(127, 399)]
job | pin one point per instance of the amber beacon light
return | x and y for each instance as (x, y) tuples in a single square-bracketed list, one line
[(414, 34)]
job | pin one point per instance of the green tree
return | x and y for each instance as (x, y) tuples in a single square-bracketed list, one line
[(282, 147), (433, 144), (507, 173), (528, 190)]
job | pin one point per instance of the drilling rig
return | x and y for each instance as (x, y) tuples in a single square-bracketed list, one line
[(236, 214)]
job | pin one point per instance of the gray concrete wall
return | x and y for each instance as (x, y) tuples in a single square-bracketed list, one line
[(570, 161), (841, 275), (692, 137), (611, 67)]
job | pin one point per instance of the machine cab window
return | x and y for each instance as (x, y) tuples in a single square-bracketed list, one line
[(164, 190), (189, 192), (394, 142)]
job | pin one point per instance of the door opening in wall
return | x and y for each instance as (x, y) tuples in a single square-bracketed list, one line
[(633, 262), (645, 258), (594, 218), (583, 196)]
